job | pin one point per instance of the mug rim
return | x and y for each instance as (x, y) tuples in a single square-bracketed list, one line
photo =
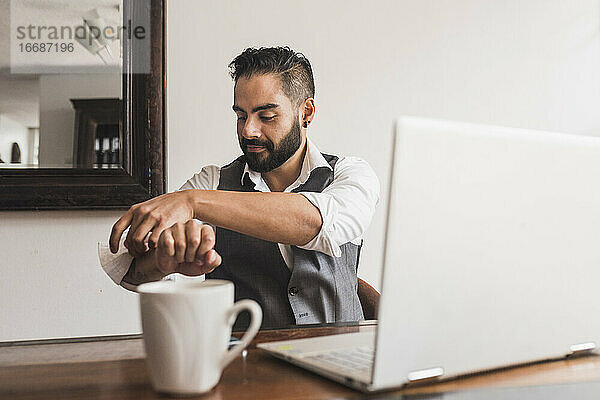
[(172, 287)]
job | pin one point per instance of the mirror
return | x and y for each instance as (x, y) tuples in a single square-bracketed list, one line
[(82, 124)]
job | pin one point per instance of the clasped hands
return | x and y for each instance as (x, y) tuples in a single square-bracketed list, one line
[(166, 224)]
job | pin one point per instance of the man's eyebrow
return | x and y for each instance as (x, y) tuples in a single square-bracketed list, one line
[(267, 106)]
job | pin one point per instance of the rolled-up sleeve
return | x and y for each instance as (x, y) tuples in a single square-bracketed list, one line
[(347, 205), (207, 179)]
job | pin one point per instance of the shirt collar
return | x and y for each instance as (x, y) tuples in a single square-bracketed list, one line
[(313, 159)]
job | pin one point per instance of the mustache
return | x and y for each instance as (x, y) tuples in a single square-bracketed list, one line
[(255, 142)]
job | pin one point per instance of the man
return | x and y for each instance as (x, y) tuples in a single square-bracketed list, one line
[(283, 222)]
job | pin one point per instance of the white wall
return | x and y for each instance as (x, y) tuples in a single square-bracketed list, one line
[(533, 64), (50, 281), (529, 64), (57, 116)]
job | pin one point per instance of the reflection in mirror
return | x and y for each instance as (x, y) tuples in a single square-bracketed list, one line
[(50, 113), (82, 97), (98, 133)]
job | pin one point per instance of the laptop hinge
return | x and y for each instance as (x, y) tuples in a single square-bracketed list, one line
[(425, 374)]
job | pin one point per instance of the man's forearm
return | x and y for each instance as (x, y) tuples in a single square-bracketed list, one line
[(287, 218), (143, 269)]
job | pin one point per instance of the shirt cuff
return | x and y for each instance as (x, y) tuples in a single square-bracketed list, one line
[(115, 265), (323, 241)]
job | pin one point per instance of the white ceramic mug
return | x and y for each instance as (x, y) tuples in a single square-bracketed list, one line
[(187, 326)]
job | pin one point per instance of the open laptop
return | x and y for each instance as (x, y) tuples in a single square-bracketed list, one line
[(492, 258)]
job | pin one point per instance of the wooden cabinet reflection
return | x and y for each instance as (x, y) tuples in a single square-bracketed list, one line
[(98, 140)]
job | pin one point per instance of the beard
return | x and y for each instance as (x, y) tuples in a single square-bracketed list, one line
[(274, 155)]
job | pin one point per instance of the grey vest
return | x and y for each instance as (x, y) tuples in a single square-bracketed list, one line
[(320, 288)]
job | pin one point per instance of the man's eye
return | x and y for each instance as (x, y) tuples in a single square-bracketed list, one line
[(264, 118), (241, 118)]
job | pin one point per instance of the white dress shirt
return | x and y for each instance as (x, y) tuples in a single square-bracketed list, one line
[(347, 205)]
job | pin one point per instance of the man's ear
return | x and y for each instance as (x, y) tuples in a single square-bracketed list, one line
[(308, 111)]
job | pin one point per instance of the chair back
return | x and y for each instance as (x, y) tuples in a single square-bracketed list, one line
[(369, 299)]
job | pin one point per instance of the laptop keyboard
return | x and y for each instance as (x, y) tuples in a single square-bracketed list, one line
[(355, 361)]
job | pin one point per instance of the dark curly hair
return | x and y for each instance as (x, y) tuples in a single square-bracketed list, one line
[(292, 67)]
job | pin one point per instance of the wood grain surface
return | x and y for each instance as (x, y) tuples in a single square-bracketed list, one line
[(116, 369)]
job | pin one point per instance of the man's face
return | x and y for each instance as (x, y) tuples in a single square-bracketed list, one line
[(268, 127)]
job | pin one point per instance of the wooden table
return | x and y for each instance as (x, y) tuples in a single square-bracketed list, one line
[(114, 368)]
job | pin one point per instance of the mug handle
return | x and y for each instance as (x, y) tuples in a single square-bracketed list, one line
[(255, 321)]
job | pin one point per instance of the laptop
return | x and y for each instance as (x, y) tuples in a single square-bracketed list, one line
[(492, 258)]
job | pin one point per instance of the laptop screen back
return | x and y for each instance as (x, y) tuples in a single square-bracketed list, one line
[(492, 248)]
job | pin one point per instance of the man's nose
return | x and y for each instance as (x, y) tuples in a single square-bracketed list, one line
[(251, 129)]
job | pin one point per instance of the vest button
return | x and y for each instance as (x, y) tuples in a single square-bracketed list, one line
[(293, 291)]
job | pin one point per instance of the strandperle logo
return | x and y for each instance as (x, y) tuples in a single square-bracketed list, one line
[(46, 38), (81, 32)]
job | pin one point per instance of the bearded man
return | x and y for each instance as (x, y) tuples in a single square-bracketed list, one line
[(283, 222)]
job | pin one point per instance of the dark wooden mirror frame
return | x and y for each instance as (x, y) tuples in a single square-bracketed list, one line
[(143, 172)]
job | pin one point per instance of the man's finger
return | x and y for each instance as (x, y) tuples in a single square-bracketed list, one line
[(136, 220), (180, 244), (155, 235), (191, 268), (207, 242), (201, 267), (166, 243), (212, 259), (138, 238), (164, 261), (117, 231), (193, 236)]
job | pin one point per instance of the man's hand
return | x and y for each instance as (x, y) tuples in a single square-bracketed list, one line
[(154, 216), (187, 249)]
